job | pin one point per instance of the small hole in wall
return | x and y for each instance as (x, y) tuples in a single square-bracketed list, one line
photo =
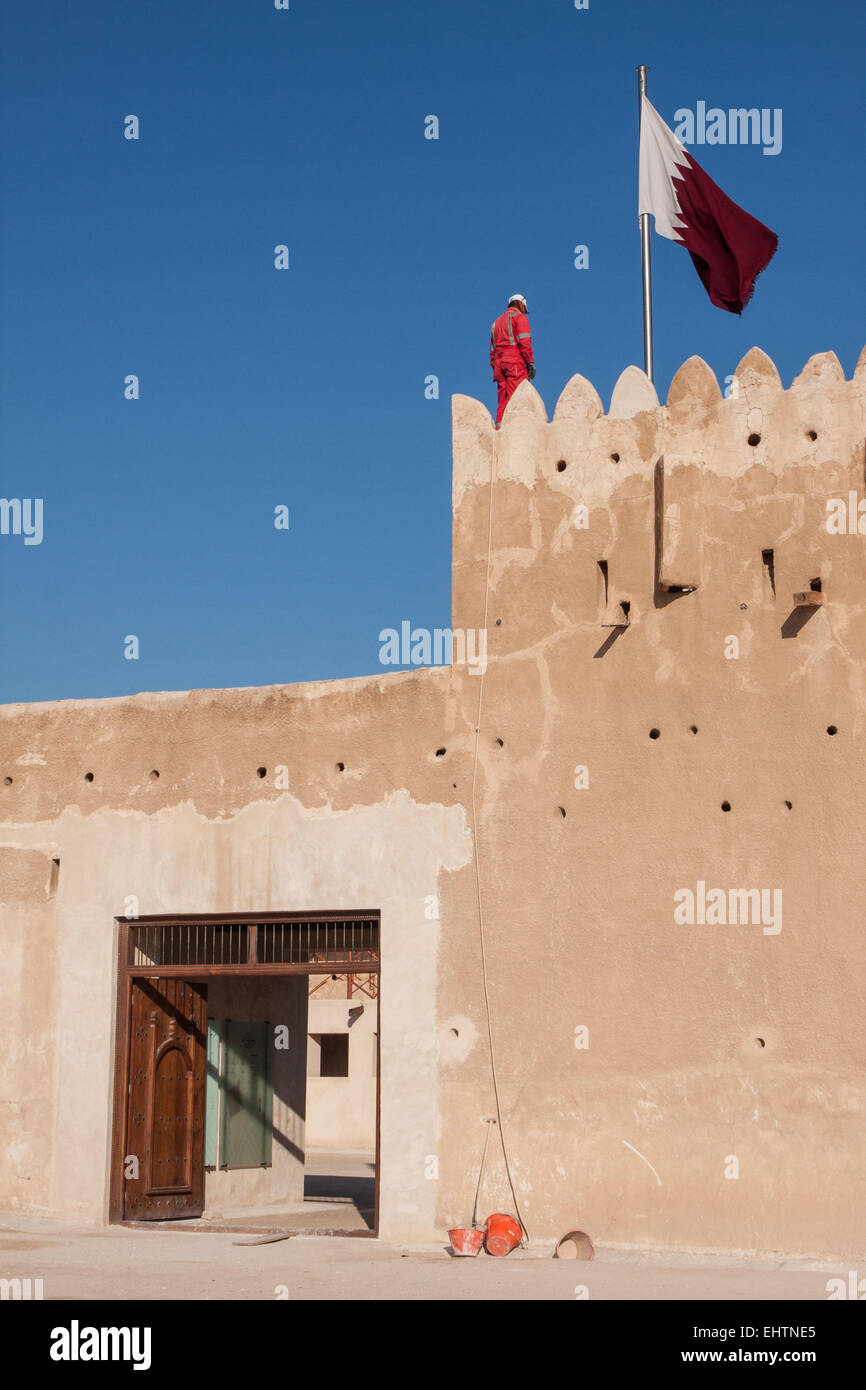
[(341, 767), (789, 805), (760, 1042), (561, 810), (655, 733), (88, 776), (499, 743), (693, 728), (811, 434), (561, 466), (754, 439), (154, 776), (498, 622), (614, 458), (832, 730), (453, 1033), (7, 781), (261, 772), (440, 752), (726, 805)]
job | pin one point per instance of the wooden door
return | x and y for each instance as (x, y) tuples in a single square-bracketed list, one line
[(164, 1159)]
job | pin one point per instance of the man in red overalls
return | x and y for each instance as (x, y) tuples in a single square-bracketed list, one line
[(511, 351)]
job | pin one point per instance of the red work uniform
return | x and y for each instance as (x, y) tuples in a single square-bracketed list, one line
[(510, 354)]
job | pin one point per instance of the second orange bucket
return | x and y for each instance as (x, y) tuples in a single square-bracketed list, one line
[(502, 1233), (465, 1240)]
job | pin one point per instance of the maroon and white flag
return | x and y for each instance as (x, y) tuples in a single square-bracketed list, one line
[(729, 247)]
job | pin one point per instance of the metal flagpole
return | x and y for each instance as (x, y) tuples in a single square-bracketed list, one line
[(646, 267)]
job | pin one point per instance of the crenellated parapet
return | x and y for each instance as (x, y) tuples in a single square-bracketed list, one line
[(758, 493)]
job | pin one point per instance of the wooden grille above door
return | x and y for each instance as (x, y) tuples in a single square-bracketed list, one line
[(232, 946)]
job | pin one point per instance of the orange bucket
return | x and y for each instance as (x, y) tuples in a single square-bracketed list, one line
[(466, 1240), (503, 1233)]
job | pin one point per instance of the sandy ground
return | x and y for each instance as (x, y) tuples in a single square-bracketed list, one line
[(87, 1262)]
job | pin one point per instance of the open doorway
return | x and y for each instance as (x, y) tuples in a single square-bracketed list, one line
[(247, 1073), (342, 1085)]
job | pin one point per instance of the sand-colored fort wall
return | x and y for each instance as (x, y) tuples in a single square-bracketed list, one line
[(643, 1062), (662, 1083)]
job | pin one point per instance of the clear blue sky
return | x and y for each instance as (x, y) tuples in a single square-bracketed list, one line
[(306, 387)]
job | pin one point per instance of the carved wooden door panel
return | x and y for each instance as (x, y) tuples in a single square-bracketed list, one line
[(164, 1161)]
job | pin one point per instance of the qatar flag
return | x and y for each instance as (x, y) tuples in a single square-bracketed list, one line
[(729, 247)]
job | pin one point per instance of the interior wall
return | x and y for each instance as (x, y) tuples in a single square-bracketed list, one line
[(341, 1110), (275, 1000)]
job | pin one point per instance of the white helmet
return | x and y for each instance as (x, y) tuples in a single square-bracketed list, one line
[(519, 299)]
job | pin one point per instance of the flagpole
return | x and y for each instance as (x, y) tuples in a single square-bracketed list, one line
[(646, 268)]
